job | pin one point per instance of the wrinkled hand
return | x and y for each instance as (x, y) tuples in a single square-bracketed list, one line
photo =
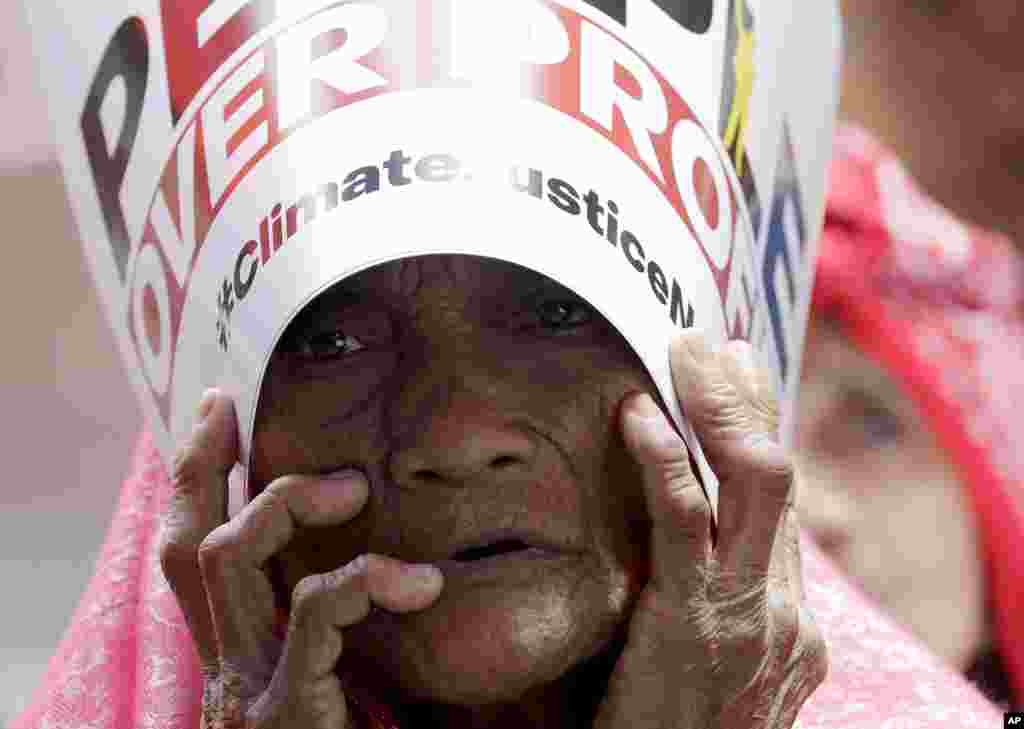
[(720, 638), (252, 678)]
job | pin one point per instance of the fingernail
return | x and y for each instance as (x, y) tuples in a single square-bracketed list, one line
[(427, 576), (346, 474), (207, 402), (349, 479)]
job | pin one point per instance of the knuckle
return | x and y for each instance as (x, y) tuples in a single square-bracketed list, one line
[(275, 497), (214, 552), (686, 501), (717, 405), (280, 487), (740, 605), (308, 594), (677, 474), (805, 650), (770, 464), (345, 588), (765, 406), (188, 468)]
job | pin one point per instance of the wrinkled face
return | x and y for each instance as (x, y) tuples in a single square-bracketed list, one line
[(480, 399), (883, 499)]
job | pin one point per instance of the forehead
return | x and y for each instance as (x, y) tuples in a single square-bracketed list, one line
[(429, 278)]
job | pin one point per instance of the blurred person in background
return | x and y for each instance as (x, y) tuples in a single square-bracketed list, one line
[(910, 435), (941, 82)]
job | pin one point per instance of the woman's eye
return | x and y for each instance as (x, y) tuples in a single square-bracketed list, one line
[(871, 421), (879, 424), (563, 314), (328, 345)]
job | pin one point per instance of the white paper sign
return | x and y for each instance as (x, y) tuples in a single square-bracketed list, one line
[(228, 160)]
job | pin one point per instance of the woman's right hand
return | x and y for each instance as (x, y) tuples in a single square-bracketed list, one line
[(216, 567)]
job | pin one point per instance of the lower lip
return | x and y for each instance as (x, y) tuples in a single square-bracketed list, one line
[(501, 563)]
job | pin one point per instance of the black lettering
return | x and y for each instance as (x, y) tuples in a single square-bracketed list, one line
[(564, 196), (242, 286), (395, 165), (361, 182), (438, 168), (533, 186), (613, 223), (614, 8), (127, 57), (683, 319), (308, 204), (658, 283), (629, 244), (594, 211), (694, 15)]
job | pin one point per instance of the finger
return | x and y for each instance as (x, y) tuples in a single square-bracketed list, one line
[(198, 504), (739, 362), (304, 683), (752, 382), (233, 557), (733, 414), (679, 510), (322, 605)]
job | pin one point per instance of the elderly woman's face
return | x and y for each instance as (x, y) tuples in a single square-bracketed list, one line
[(480, 399)]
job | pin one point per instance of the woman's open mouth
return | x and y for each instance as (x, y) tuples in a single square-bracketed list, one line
[(485, 551), (499, 554)]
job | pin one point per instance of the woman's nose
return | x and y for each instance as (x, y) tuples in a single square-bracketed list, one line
[(459, 448)]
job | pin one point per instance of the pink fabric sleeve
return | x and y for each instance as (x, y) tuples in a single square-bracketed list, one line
[(127, 662), (880, 677)]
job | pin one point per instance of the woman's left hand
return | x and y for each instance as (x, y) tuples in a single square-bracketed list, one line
[(720, 637)]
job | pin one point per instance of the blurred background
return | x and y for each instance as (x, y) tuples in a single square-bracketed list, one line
[(70, 418)]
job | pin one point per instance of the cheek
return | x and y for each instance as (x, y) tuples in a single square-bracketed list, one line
[(294, 440), (612, 499), (309, 433)]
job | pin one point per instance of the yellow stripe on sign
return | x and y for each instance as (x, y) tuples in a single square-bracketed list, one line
[(744, 74)]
